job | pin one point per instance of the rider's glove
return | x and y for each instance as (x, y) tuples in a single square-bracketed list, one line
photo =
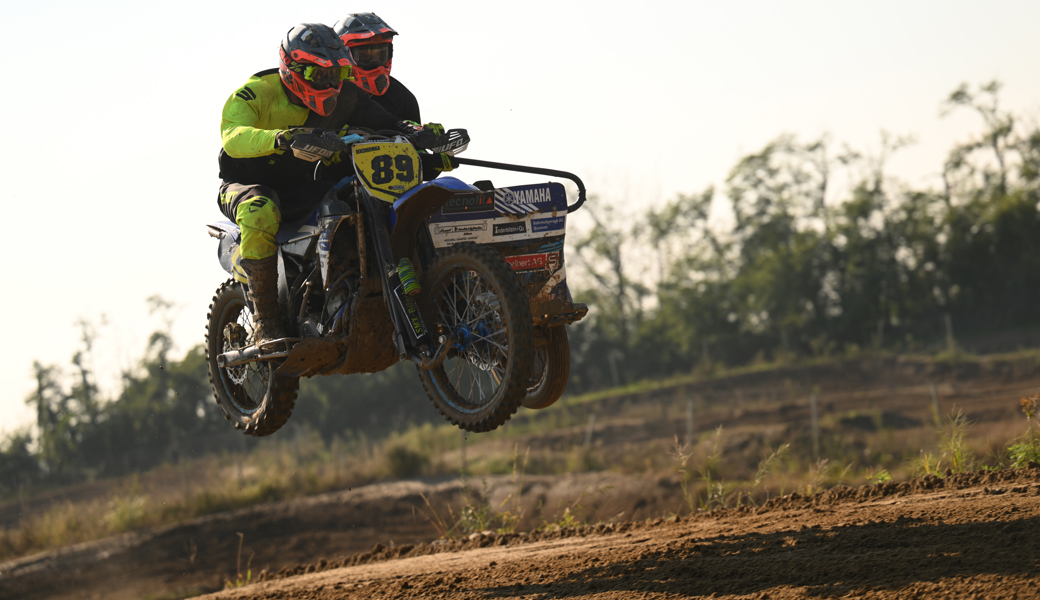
[(283, 139), (332, 160), (424, 139), (443, 162), (436, 128)]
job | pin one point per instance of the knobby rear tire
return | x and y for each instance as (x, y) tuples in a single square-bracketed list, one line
[(552, 367), (252, 397), (471, 291)]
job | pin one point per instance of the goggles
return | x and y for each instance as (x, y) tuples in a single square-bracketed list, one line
[(327, 77), (370, 56)]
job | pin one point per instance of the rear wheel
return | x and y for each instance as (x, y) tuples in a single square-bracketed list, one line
[(552, 367), (253, 398), (471, 293)]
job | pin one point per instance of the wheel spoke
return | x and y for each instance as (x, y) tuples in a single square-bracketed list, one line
[(480, 387)]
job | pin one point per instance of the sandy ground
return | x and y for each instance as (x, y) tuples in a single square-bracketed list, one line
[(975, 535), (201, 555), (969, 536)]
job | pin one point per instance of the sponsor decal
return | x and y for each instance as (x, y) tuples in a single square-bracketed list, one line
[(410, 306), (530, 262), (469, 203), (411, 310), (325, 241), (364, 150), (459, 228), (550, 224), (510, 228), (522, 201)]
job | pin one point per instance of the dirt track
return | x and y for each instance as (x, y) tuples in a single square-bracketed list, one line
[(965, 536), (969, 536)]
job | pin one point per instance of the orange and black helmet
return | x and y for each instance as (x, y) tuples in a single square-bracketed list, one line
[(371, 44), (314, 64)]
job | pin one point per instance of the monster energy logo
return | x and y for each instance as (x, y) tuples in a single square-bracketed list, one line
[(246, 94)]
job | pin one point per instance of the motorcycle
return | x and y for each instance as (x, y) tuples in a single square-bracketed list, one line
[(465, 281)]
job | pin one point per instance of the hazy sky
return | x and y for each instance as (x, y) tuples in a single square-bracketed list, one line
[(112, 120)]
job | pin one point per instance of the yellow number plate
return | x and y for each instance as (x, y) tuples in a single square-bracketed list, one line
[(387, 169)]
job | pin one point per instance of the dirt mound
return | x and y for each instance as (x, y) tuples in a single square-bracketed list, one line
[(967, 535), (200, 555)]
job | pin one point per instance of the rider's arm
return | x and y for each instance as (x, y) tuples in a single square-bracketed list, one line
[(252, 118), (368, 113)]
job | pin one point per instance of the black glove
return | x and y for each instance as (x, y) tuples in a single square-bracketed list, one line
[(425, 139)]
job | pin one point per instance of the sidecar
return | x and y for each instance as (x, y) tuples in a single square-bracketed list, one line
[(527, 225)]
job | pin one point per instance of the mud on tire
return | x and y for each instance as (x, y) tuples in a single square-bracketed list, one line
[(252, 397), (551, 368), (471, 291)]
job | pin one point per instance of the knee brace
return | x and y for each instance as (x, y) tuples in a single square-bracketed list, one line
[(258, 218)]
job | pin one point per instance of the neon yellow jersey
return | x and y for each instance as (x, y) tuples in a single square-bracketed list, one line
[(254, 115)]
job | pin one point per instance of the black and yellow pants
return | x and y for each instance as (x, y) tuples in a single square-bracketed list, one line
[(259, 210)]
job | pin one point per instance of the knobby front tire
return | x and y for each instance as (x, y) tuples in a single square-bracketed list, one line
[(472, 293), (252, 397)]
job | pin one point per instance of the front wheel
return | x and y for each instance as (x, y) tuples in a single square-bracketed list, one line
[(471, 293), (552, 367), (251, 396)]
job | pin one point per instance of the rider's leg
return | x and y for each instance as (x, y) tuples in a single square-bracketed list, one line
[(256, 210)]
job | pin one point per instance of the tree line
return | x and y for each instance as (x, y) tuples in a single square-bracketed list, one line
[(794, 267), (801, 268)]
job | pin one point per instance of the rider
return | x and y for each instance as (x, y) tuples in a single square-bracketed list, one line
[(262, 182), (371, 43)]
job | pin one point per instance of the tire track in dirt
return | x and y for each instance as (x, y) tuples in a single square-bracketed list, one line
[(969, 535)]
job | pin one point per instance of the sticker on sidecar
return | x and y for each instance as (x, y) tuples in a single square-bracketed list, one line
[(550, 224), (519, 213), (533, 262), (524, 199), (494, 230), (464, 228), (468, 204)]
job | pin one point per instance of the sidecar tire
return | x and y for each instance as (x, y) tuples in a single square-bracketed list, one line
[(553, 365), (495, 360), (265, 402)]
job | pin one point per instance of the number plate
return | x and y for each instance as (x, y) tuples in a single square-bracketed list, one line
[(387, 169)]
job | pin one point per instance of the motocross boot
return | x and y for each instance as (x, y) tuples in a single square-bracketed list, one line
[(269, 319)]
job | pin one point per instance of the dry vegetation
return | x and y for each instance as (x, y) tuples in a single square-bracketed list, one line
[(752, 440)]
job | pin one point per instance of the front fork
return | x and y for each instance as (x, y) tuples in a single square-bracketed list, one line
[(412, 337)]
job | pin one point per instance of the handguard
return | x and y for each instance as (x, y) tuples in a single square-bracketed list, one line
[(451, 143), (313, 147)]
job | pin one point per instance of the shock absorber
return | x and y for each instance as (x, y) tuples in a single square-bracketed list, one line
[(409, 281)]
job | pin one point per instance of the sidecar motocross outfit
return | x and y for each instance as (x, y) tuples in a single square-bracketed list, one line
[(262, 185)]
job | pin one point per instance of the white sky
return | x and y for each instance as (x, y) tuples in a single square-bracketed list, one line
[(109, 179)]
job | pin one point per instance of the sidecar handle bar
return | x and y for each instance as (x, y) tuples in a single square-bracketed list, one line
[(535, 170)]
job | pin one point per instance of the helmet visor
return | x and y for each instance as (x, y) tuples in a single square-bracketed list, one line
[(326, 77), (371, 56)]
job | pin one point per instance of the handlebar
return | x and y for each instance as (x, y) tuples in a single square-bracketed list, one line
[(533, 170), (315, 146)]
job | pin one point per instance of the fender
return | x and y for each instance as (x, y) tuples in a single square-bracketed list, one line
[(417, 205)]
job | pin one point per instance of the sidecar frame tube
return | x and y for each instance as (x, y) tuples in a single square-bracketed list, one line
[(533, 170)]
